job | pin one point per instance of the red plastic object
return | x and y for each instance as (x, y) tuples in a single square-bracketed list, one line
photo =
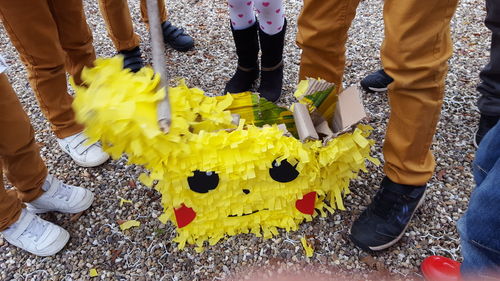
[(437, 268), (306, 204), (184, 215)]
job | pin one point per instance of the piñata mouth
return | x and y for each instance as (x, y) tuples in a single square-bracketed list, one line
[(233, 216)]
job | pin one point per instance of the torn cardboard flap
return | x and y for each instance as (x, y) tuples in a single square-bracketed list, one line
[(304, 123), (349, 109)]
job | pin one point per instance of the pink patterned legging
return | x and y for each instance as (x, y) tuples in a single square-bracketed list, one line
[(270, 13)]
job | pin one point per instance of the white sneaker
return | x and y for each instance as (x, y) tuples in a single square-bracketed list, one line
[(36, 235), (61, 197), (84, 155)]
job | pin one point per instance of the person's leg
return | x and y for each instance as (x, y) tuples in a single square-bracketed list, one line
[(415, 51), (19, 155), (10, 205), (272, 29), (34, 33), (116, 14), (74, 35), (161, 7), (489, 88), (322, 35), (244, 29), (479, 228)]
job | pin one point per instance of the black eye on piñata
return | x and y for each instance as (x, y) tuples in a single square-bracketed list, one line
[(283, 171), (203, 182)]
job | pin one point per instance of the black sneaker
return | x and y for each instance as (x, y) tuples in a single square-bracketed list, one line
[(132, 59), (376, 82), (176, 37), (486, 122), (385, 220)]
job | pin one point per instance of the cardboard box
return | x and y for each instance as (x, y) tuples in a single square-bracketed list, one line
[(349, 110)]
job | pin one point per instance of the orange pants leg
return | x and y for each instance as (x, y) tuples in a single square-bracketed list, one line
[(116, 14), (415, 52), (19, 157), (50, 36)]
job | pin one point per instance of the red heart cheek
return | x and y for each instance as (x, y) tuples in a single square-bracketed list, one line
[(306, 204), (184, 216), (265, 4)]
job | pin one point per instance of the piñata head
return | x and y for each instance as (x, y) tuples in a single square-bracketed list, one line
[(217, 178)]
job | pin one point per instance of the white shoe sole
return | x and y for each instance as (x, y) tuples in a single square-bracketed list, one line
[(378, 89), (88, 202)]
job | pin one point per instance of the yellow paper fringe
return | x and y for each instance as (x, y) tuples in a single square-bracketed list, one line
[(123, 201), (129, 224), (309, 250), (119, 109)]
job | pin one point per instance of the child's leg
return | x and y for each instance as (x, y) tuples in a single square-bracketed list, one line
[(19, 156), (34, 33), (271, 15), (241, 14), (272, 41), (116, 14), (246, 41)]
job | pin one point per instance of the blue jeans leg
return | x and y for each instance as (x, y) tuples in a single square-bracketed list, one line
[(479, 228)]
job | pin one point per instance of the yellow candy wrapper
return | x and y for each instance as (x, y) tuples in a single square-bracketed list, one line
[(217, 178)]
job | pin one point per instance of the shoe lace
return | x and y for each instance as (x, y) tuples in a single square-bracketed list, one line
[(387, 203), (35, 229), (63, 192), (81, 139)]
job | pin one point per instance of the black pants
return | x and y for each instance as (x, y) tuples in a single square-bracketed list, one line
[(489, 88)]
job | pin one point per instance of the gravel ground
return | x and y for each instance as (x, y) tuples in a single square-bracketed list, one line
[(146, 253)]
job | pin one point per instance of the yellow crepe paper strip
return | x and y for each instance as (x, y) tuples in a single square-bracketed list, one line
[(309, 250), (119, 109), (129, 224), (93, 272), (123, 201)]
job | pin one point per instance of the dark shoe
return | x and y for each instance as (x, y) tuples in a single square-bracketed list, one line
[(176, 37), (247, 49), (376, 82), (271, 73), (385, 220), (486, 122), (437, 268), (132, 59)]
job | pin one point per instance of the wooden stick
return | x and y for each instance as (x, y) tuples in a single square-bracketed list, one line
[(158, 50)]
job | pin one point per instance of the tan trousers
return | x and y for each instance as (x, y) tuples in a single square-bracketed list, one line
[(19, 157), (415, 51), (116, 14), (52, 37)]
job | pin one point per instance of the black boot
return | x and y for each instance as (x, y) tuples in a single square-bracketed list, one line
[(247, 49), (176, 37), (132, 59), (271, 75)]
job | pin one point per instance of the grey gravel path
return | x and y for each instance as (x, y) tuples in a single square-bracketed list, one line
[(146, 253)]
